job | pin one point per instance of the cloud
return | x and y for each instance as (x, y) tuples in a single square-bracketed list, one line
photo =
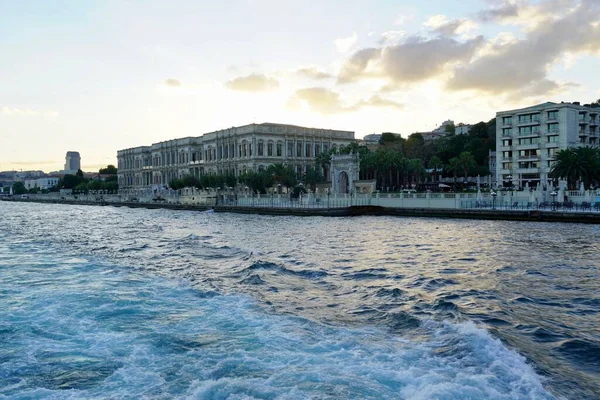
[(391, 36), (401, 19), (27, 111), (26, 163), (253, 83), (502, 11), (416, 59), (326, 101), (313, 73), (520, 66), (171, 82), (343, 45)]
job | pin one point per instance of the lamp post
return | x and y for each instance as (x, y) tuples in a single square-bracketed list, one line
[(554, 194), (328, 193), (494, 194)]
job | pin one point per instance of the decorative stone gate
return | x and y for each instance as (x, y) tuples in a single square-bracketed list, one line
[(344, 172)]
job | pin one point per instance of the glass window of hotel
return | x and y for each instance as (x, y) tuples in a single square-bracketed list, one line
[(260, 148), (552, 128), (507, 165), (270, 149), (507, 120), (552, 114), (507, 142), (506, 131)]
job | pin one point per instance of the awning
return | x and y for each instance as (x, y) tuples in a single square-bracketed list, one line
[(443, 185)]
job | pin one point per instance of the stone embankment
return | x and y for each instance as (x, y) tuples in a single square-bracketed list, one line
[(353, 211)]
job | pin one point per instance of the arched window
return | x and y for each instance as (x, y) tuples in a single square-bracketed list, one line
[(279, 149), (261, 149), (270, 149), (261, 168)]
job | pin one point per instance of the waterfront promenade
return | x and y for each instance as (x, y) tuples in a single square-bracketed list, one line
[(507, 206)]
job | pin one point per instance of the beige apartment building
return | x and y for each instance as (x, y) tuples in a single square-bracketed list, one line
[(234, 151), (527, 139)]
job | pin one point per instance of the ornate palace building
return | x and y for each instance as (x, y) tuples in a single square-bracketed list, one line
[(229, 151)]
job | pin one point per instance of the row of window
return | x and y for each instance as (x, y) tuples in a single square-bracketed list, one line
[(530, 153), (551, 128), (227, 151), (530, 118)]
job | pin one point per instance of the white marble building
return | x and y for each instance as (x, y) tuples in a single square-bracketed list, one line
[(527, 139), (228, 151)]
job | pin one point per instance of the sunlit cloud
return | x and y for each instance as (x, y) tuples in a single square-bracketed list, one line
[(313, 72), (27, 112), (253, 83), (172, 82), (343, 45), (326, 101)]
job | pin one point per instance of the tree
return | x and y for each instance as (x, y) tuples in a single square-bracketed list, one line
[(436, 164), (19, 188), (450, 129), (109, 170), (574, 164), (282, 174), (312, 177), (466, 162), (323, 161), (70, 181), (79, 173)]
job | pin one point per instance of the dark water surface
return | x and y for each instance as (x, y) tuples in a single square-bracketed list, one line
[(102, 302)]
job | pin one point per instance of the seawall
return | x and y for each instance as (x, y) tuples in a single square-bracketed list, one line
[(481, 214)]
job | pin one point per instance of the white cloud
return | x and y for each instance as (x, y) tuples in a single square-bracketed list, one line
[(401, 19), (326, 101), (343, 45), (253, 83), (27, 111)]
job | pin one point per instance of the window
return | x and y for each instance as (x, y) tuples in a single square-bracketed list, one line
[(533, 140), (552, 128), (244, 150), (260, 148), (290, 150), (528, 153), (506, 120), (529, 130), (317, 150), (507, 142), (307, 152), (552, 114), (552, 152), (529, 118), (299, 150), (270, 149), (528, 164), (507, 154), (325, 148), (279, 149), (506, 131), (507, 165)]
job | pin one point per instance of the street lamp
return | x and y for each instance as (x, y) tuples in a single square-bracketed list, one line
[(554, 194), (494, 194)]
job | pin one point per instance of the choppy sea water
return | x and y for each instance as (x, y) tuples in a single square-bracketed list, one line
[(102, 302)]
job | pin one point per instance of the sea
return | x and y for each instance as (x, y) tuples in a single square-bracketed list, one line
[(119, 303)]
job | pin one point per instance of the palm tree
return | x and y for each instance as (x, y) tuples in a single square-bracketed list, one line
[(312, 177), (323, 161), (436, 164), (466, 162), (574, 164)]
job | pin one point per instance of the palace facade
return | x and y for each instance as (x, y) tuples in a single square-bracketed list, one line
[(234, 151)]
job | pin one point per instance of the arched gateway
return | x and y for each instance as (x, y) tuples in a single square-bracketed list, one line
[(344, 172)]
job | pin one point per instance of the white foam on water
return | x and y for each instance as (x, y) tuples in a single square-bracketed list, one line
[(122, 335)]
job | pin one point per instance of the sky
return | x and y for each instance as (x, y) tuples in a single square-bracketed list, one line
[(100, 76)]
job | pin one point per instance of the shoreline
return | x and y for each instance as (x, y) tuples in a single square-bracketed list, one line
[(355, 211)]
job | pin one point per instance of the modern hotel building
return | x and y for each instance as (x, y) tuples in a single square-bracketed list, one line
[(229, 151), (528, 139)]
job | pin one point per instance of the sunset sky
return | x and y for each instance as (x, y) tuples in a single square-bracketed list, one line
[(96, 77)]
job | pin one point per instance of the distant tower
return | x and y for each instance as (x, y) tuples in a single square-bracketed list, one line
[(72, 161)]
